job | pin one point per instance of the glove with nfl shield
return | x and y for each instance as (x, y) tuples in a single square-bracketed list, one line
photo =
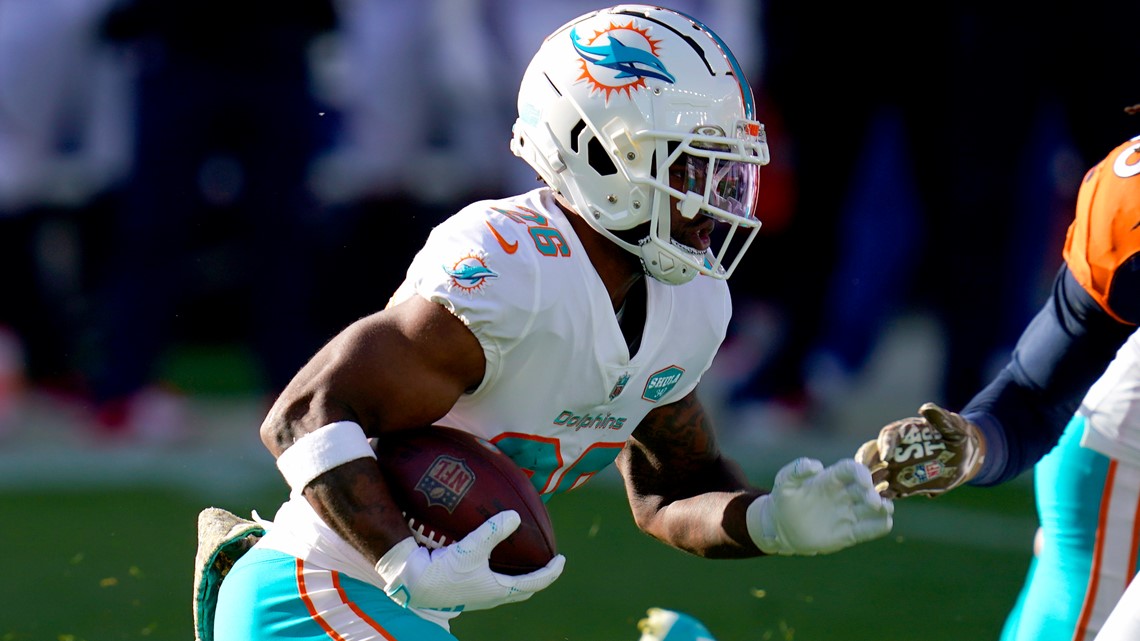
[(458, 577), (812, 510), (928, 454)]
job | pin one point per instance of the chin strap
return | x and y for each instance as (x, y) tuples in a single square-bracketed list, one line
[(665, 267)]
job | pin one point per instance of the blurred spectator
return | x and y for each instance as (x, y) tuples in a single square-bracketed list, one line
[(64, 148), (932, 164), (214, 238), (381, 79)]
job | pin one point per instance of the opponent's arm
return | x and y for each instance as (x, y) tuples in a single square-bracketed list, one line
[(1017, 418), (928, 454), (684, 492)]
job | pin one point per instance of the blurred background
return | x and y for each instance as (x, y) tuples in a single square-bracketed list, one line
[(195, 196)]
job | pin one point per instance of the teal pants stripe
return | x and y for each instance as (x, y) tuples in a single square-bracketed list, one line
[(261, 600), (1069, 484)]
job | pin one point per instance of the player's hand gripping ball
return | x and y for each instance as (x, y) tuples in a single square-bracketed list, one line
[(928, 454), (449, 482)]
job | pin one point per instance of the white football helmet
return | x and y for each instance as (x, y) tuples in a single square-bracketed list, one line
[(615, 99)]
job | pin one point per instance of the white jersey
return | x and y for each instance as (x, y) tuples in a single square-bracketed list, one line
[(561, 392), (1112, 406)]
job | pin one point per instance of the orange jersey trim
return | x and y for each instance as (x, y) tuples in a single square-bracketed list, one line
[(1106, 230)]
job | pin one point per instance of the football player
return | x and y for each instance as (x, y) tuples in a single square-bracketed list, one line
[(1088, 492), (569, 326), (1088, 549)]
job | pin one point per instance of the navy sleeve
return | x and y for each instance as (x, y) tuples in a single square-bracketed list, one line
[(1061, 353)]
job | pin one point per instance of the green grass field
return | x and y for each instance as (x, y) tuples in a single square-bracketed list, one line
[(107, 564)]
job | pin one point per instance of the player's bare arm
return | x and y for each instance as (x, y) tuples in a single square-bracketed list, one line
[(681, 489), (399, 368)]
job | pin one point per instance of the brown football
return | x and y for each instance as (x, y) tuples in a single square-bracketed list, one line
[(449, 482)]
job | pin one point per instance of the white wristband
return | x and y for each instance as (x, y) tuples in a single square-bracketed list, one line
[(321, 450)]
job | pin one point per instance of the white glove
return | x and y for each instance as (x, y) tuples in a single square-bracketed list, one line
[(812, 510), (458, 577)]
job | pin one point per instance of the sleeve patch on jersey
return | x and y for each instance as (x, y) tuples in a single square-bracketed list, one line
[(661, 383), (470, 274)]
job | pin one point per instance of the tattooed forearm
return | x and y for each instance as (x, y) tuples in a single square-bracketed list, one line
[(681, 490), (353, 500), (679, 434)]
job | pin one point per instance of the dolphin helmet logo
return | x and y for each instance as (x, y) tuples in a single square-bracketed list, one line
[(619, 58)]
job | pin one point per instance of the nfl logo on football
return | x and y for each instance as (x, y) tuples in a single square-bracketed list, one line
[(446, 482)]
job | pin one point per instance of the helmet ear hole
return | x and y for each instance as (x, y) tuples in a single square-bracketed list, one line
[(599, 160), (596, 155)]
